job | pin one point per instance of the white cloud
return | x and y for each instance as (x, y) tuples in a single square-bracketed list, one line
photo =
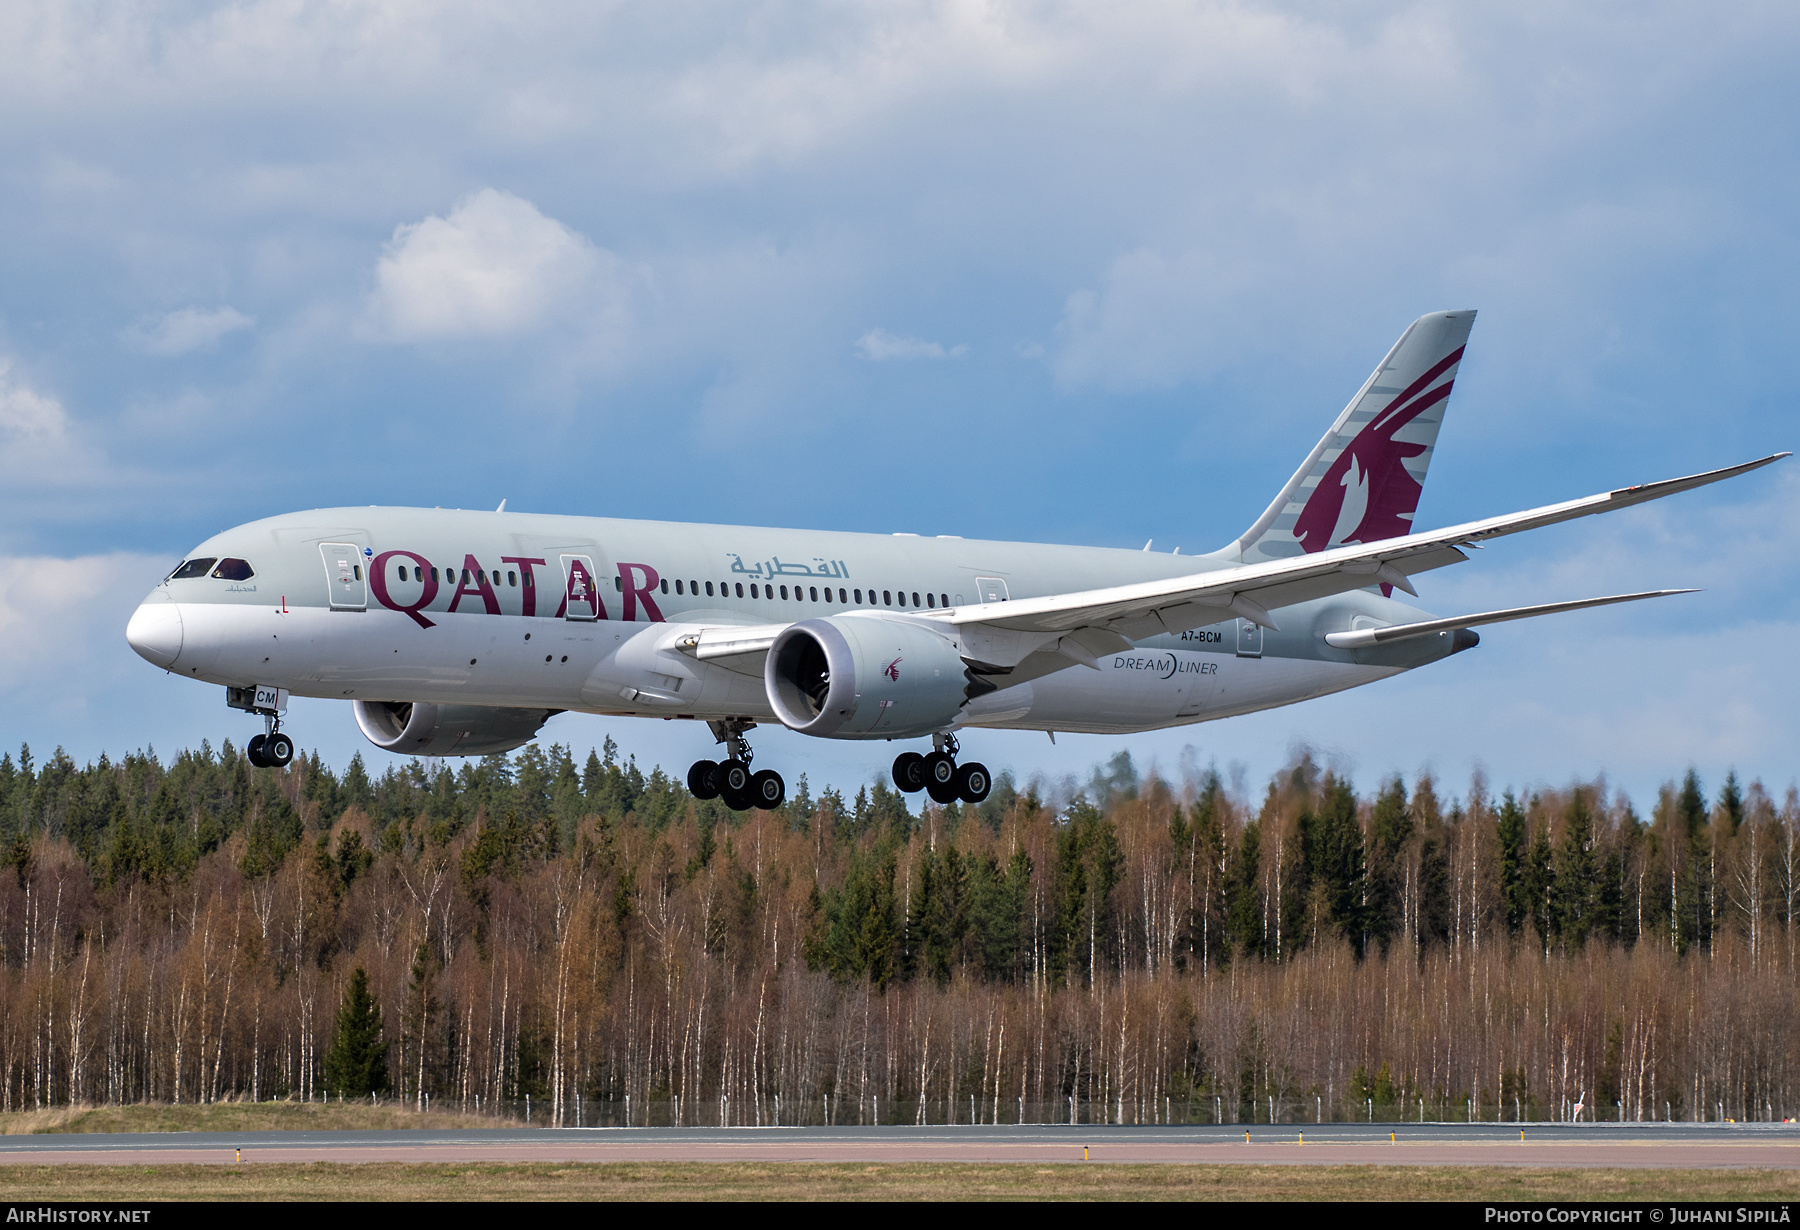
[(42, 448), (26, 415), (55, 612), (878, 345), (494, 267), (185, 331), (1156, 320)]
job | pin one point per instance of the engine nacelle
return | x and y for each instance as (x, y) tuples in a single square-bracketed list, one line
[(865, 677), (409, 728)]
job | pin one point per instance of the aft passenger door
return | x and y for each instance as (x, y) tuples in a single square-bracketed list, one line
[(345, 575), (1249, 639)]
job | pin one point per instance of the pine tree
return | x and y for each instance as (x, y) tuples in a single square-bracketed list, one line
[(1515, 895), (356, 1064), (1577, 881), (1391, 826)]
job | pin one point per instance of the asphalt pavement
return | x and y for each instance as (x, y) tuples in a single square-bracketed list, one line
[(1442, 1144)]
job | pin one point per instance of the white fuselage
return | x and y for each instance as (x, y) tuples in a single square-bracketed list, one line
[(588, 614)]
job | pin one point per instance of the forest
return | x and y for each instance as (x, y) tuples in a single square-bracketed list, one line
[(586, 943)]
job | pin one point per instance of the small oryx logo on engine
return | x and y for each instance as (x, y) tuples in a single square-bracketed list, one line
[(892, 671)]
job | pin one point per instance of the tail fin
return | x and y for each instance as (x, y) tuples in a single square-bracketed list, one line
[(1362, 482)]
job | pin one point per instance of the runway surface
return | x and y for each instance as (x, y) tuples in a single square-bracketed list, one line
[(1562, 1145)]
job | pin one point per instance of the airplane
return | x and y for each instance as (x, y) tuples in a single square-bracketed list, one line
[(460, 633)]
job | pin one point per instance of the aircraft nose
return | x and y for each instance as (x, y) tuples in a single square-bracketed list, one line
[(155, 632)]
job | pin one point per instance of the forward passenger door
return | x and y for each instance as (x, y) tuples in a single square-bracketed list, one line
[(345, 575)]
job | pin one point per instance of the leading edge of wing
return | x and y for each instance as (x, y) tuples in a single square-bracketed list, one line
[(1234, 590)]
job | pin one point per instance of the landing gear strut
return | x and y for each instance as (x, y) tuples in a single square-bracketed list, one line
[(731, 779), (939, 776)]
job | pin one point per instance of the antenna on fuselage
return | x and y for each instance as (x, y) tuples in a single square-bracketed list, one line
[(502, 507)]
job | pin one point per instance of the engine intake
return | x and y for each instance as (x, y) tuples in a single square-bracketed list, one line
[(415, 728), (865, 677)]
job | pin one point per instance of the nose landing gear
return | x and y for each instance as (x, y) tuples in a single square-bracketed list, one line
[(271, 749), (939, 776), (731, 780)]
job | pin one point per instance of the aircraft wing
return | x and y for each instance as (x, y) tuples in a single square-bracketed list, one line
[(1085, 624)]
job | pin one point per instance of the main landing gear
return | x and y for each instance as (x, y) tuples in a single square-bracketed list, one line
[(731, 779), (939, 776)]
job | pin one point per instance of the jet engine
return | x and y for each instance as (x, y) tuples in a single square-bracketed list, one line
[(410, 728), (865, 677)]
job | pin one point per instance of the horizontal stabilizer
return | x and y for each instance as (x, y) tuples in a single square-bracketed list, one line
[(1364, 638)]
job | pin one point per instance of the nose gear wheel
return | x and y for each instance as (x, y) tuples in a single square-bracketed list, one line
[(272, 749)]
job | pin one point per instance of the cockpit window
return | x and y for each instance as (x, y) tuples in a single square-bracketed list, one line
[(193, 569), (234, 570)]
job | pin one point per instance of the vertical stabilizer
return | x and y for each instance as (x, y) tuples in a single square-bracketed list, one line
[(1362, 482)]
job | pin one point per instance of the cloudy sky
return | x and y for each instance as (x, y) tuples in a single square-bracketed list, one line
[(1060, 272)]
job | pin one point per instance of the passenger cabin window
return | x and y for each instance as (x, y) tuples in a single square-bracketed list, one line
[(528, 580), (815, 594), (740, 589), (709, 592), (784, 593), (665, 585), (887, 597), (915, 598), (194, 569), (234, 570), (678, 587), (512, 578)]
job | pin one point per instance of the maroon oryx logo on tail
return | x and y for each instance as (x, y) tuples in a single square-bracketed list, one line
[(1366, 494), (892, 670)]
